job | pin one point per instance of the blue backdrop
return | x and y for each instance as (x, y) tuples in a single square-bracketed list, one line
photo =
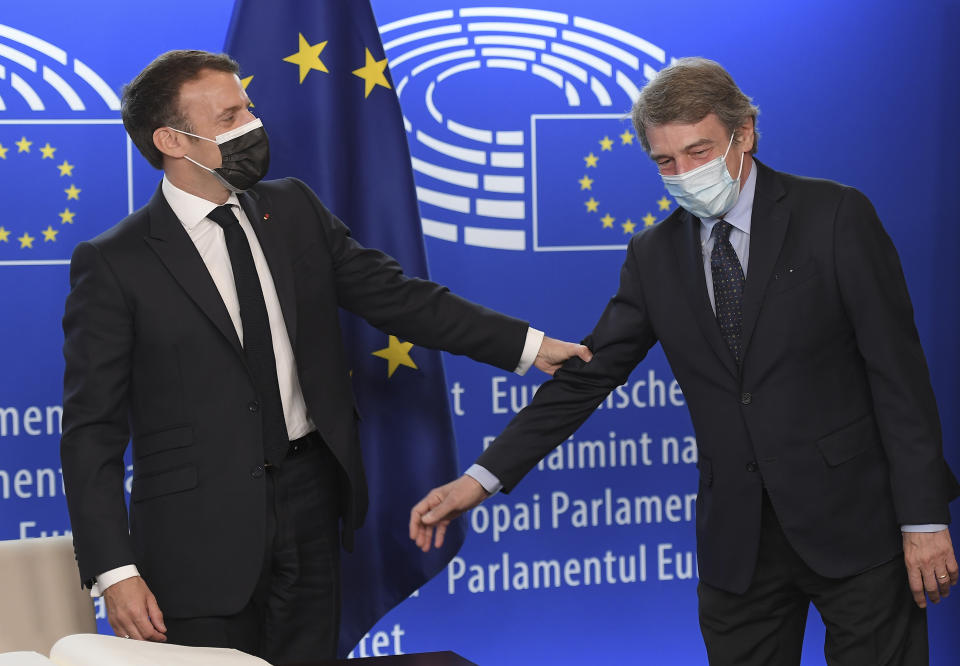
[(530, 183)]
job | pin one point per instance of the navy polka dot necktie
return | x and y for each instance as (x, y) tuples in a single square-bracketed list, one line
[(727, 286)]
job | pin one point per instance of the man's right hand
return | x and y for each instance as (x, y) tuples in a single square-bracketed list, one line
[(133, 612), (554, 353), (441, 505)]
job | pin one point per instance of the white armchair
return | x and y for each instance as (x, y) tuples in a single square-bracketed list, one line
[(41, 599)]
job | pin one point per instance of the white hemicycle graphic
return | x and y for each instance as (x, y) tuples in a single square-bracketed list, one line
[(50, 97), (483, 194), (30, 64)]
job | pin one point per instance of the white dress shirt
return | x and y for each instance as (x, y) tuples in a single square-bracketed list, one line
[(208, 237), (739, 218)]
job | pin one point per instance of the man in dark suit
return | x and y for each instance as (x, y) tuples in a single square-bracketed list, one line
[(205, 325), (783, 311)]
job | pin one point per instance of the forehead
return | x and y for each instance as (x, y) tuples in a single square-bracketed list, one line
[(673, 137), (211, 92)]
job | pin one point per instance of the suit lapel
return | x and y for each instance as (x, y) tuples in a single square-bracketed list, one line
[(278, 259), (768, 228), (179, 255), (690, 261)]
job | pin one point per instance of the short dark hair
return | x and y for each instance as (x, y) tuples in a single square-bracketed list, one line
[(152, 99), (687, 91)]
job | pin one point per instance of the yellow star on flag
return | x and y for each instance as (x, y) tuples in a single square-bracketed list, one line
[(307, 57), (246, 82), (66, 217), (26, 240), (396, 353), (586, 183), (73, 192), (50, 234), (3, 152), (4, 235), (628, 227), (47, 151), (607, 221), (66, 169), (372, 74), (664, 203), (591, 160), (23, 146), (648, 220), (606, 143), (627, 137), (591, 205)]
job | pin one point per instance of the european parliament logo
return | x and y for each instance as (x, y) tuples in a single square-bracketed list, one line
[(519, 129), (65, 161)]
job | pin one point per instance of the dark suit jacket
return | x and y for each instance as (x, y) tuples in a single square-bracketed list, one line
[(151, 352), (832, 408)]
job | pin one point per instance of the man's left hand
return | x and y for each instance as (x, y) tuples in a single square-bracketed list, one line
[(440, 506), (931, 565), (553, 353)]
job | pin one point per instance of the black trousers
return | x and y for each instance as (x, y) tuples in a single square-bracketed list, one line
[(871, 618), (294, 614)]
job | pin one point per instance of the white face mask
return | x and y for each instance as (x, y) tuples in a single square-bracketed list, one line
[(709, 190)]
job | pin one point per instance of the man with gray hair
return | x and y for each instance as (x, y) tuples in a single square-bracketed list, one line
[(783, 311)]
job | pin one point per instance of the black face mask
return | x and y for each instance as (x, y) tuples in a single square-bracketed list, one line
[(244, 155)]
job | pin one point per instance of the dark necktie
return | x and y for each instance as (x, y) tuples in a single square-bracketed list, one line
[(257, 341), (727, 286)]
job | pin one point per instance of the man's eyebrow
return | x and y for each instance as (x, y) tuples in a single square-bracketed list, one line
[(230, 109), (696, 144)]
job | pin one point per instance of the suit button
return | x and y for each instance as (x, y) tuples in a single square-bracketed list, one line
[(256, 472), (751, 466), (745, 398), (253, 406)]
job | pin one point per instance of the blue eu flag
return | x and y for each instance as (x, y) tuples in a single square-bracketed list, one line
[(317, 75)]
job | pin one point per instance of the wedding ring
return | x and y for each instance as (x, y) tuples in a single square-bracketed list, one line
[(126, 635), (942, 577)]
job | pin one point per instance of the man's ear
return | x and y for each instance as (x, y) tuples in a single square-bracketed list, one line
[(170, 143), (744, 136)]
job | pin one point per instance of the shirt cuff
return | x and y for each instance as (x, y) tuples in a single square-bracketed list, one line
[(482, 476), (530, 350), (931, 527), (108, 578)]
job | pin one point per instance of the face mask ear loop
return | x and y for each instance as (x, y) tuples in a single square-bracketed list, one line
[(196, 136), (729, 146), (205, 168), (703, 167)]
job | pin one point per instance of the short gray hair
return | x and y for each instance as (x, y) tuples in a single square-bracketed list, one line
[(687, 91)]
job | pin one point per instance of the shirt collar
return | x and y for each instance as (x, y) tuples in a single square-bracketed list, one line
[(190, 209), (740, 215)]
